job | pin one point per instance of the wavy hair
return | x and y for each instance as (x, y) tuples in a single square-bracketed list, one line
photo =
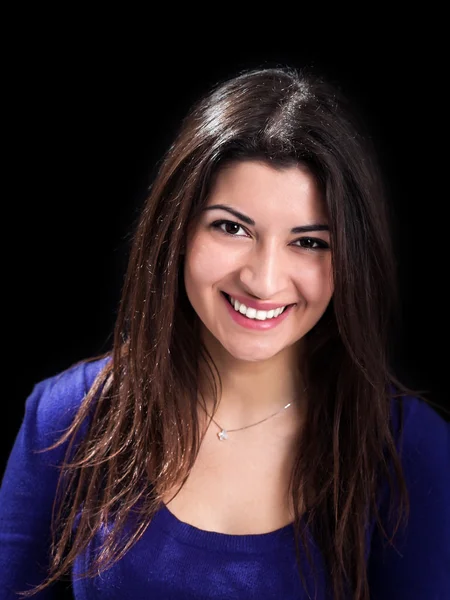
[(143, 431)]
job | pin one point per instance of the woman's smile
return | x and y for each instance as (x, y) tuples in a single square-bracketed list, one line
[(255, 321)]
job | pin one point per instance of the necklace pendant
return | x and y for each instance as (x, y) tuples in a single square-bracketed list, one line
[(222, 435)]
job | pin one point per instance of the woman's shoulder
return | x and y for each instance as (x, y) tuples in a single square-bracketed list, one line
[(54, 401), (424, 429), (423, 444), (416, 565), (68, 385)]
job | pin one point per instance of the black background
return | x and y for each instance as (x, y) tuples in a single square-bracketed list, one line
[(90, 109)]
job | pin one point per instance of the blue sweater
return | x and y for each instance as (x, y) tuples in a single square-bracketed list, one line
[(174, 560)]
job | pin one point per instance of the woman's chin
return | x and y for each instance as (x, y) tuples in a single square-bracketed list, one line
[(250, 353)]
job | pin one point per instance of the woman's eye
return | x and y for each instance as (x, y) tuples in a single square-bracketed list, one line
[(312, 243), (229, 227), (232, 228)]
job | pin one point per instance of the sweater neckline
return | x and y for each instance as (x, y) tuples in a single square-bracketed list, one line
[(223, 542)]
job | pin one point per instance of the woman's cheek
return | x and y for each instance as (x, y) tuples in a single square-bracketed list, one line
[(315, 283)]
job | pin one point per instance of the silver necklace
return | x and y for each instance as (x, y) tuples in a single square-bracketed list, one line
[(223, 433)]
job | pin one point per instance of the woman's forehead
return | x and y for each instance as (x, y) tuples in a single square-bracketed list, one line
[(266, 191)]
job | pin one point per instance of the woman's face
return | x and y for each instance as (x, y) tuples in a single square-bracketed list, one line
[(257, 258)]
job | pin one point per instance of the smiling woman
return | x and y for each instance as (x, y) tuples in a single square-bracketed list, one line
[(265, 267), (245, 436)]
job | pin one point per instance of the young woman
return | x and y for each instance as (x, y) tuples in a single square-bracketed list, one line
[(245, 437)]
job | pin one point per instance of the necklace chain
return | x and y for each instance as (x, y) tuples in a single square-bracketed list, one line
[(223, 433)]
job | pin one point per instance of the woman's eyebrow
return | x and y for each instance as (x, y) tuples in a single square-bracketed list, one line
[(245, 219)]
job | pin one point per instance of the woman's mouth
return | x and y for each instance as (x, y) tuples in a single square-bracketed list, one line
[(256, 319)]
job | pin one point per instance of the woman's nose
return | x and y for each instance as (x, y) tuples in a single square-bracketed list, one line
[(264, 272)]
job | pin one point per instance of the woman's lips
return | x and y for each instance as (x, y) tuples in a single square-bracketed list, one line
[(255, 324)]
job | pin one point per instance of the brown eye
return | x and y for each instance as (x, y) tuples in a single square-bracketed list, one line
[(308, 243), (311, 243), (228, 227), (231, 227)]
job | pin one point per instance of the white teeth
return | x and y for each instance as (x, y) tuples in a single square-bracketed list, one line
[(252, 313)]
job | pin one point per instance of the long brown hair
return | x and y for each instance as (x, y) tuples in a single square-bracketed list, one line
[(143, 433)]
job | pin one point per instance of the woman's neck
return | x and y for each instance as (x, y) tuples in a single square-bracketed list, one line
[(251, 391)]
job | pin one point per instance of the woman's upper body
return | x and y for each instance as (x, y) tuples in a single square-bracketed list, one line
[(178, 559), (247, 416)]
